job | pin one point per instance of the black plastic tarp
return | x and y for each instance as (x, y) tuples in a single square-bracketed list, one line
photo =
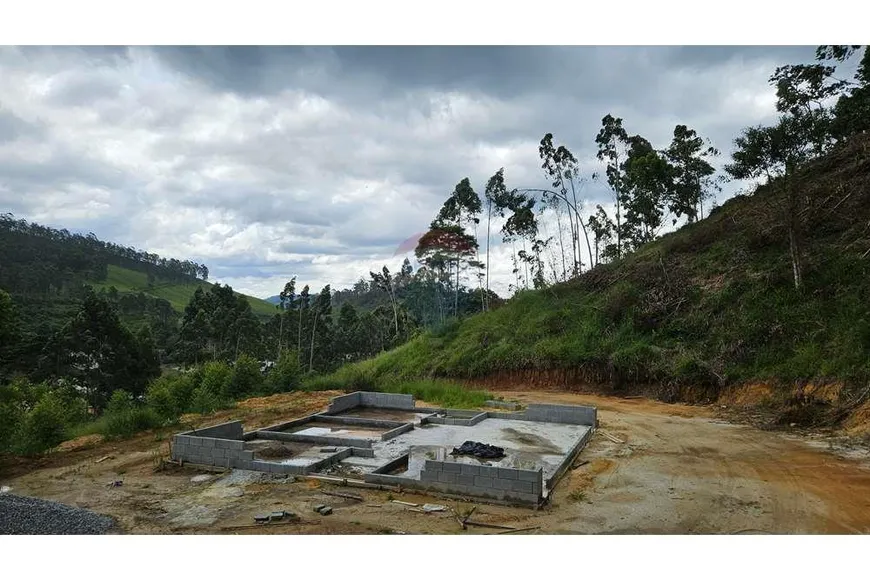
[(478, 449)]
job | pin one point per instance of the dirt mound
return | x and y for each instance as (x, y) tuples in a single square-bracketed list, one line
[(83, 442)]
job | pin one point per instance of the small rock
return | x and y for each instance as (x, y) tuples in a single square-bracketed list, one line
[(319, 507), (326, 511), (200, 478), (432, 507)]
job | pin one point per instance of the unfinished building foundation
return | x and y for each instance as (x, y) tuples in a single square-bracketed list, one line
[(386, 439)]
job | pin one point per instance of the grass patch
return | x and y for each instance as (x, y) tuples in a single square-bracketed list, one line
[(177, 294)]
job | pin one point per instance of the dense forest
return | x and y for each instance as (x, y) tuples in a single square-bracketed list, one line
[(598, 294)]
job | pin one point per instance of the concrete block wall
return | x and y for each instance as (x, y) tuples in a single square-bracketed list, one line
[(568, 460), (392, 433), (505, 484), (573, 414), (344, 402), (211, 451), (387, 400), (358, 421), (286, 424), (323, 440), (231, 430), (502, 405), (463, 421)]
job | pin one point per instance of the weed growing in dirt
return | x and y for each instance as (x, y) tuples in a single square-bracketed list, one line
[(577, 495)]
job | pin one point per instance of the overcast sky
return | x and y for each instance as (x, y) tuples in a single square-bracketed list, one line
[(265, 163)]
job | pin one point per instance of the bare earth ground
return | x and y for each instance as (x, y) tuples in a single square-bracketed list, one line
[(680, 469)]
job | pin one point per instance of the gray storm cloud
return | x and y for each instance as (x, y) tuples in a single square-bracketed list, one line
[(319, 162)]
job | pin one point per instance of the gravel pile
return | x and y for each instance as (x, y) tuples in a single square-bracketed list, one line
[(28, 515)]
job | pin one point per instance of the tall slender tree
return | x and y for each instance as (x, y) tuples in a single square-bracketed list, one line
[(612, 141)]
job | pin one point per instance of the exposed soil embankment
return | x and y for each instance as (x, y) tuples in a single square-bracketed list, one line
[(829, 406)]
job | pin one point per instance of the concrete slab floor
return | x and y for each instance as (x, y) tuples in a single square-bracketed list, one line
[(527, 444), (337, 430)]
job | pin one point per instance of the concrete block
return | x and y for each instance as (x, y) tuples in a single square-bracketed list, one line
[(507, 473), (504, 484), (246, 455), (195, 441), (525, 475), (452, 467), (484, 482), (433, 465), (447, 477), (218, 453), (470, 469), (465, 480), (429, 475), (489, 471), (523, 486), (209, 443)]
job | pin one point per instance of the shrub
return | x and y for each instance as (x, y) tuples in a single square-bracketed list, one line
[(160, 397), (172, 395), (285, 375), (124, 417), (42, 427), (216, 378), (204, 401), (244, 379), (11, 414)]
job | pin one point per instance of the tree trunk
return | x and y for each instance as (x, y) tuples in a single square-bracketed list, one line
[(561, 245), (586, 235), (456, 292), (299, 341), (794, 246), (311, 356), (395, 310), (488, 220), (280, 332)]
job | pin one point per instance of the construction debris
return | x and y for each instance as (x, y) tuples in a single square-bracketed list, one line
[(352, 496), (517, 530), (325, 511), (116, 483), (486, 525), (433, 507), (101, 459), (274, 516), (464, 521), (610, 437), (409, 504)]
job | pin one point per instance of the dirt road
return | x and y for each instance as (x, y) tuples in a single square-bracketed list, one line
[(679, 469)]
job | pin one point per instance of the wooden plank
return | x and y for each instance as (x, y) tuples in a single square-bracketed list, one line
[(344, 495), (485, 525), (519, 530)]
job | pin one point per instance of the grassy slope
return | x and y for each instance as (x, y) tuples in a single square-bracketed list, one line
[(708, 305), (178, 295)]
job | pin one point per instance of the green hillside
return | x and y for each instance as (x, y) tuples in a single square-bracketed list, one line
[(710, 305), (178, 294)]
